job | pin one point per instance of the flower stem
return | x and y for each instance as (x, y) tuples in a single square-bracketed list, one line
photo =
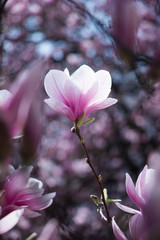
[(98, 177)]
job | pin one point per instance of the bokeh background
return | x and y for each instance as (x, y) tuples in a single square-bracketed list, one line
[(122, 38)]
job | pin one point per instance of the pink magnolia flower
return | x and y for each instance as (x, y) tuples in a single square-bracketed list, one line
[(16, 109), (83, 91), (140, 195), (21, 194), (17, 113)]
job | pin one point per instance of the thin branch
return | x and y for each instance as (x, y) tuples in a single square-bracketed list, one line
[(88, 160), (115, 41)]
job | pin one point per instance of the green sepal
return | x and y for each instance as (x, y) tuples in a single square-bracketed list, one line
[(80, 122), (2, 195), (89, 121), (33, 236), (113, 200), (105, 194), (95, 199)]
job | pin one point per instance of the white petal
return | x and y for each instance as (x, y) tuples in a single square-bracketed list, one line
[(84, 77), (4, 96), (9, 221), (54, 84), (66, 71), (60, 107), (34, 183), (104, 85), (127, 209), (101, 105), (117, 231)]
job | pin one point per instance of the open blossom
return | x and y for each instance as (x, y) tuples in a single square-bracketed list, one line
[(21, 195), (140, 195), (83, 91)]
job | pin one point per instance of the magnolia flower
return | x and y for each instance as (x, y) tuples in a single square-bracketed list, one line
[(17, 113), (24, 89), (140, 195), (83, 91), (21, 195)]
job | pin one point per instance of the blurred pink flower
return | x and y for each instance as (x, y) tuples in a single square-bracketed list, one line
[(24, 89), (140, 195), (83, 91), (21, 195), (117, 231), (4, 96)]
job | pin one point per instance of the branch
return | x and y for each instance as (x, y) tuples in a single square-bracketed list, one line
[(115, 41), (98, 178)]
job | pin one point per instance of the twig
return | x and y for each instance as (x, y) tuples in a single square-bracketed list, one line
[(115, 41), (98, 178)]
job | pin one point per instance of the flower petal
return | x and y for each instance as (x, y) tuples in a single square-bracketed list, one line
[(75, 99), (4, 96), (145, 183), (9, 221), (28, 194), (34, 183), (104, 85), (54, 84), (23, 91), (15, 183), (131, 191), (117, 231), (84, 77), (41, 202), (30, 214), (101, 105), (60, 107), (136, 227), (127, 209)]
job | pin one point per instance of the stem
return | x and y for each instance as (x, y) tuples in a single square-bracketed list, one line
[(77, 131)]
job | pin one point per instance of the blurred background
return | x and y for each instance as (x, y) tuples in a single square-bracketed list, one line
[(122, 38)]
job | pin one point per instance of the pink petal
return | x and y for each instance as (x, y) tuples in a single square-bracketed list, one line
[(84, 77), (30, 214), (146, 183), (23, 93), (117, 231), (60, 107), (41, 202), (104, 85), (9, 221), (136, 227), (141, 180), (16, 183), (28, 194), (132, 192), (75, 99), (127, 209), (101, 105), (54, 84)]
